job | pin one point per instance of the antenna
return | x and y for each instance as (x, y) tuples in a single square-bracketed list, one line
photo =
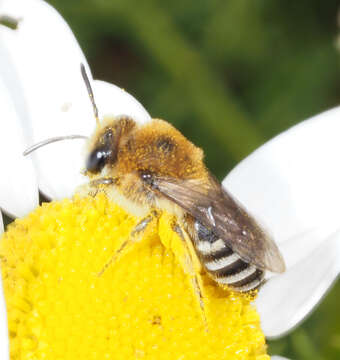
[(52, 140), (68, 137), (90, 92)]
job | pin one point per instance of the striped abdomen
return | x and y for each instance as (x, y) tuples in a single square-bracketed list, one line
[(224, 265)]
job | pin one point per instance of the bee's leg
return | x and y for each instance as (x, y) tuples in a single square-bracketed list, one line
[(142, 225), (193, 271), (131, 240), (93, 187)]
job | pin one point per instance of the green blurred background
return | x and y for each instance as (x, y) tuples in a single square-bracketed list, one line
[(223, 71)]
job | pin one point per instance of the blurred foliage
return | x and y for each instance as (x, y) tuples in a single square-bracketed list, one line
[(230, 74)]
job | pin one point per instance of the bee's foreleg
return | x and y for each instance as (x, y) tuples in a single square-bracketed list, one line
[(134, 237), (93, 187), (192, 269)]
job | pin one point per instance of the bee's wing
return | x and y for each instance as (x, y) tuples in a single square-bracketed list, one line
[(215, 208)]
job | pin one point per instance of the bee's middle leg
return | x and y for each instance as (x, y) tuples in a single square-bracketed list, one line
[(129, 242), (193, 272)]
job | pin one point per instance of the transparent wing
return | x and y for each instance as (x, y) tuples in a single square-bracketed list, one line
[(215, 208)]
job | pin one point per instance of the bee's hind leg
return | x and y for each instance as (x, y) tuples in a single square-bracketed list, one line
[(129, 242), (192, 267)]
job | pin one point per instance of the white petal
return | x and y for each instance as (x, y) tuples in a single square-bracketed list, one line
[(114, 101), (18, 185), (292, 184), (285, 300), (45, 56), (276, 357), (43, 63), (111, 101)]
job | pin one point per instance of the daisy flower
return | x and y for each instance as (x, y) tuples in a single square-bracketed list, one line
[(290, 183)]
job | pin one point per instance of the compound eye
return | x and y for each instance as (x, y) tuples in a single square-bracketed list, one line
[(97, 159)]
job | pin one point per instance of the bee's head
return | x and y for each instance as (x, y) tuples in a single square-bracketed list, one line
[(104, 144)]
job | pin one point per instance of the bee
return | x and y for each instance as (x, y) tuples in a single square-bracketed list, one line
[(150, 168), (153, 167)]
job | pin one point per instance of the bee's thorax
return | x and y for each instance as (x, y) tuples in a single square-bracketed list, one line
[(160, 149)]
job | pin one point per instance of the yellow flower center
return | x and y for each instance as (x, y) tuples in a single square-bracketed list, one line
[(143, 306)]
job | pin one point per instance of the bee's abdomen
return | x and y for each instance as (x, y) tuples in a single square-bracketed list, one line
[(224, 265)]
